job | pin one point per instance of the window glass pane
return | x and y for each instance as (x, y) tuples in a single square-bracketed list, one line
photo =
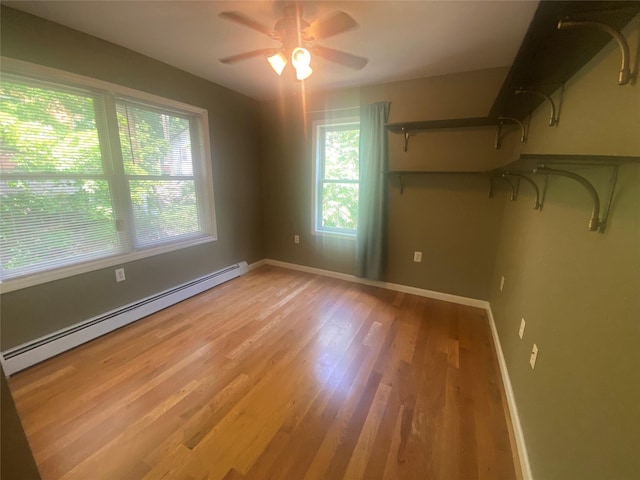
[(340, 205), (45, 130), (62, 203), (154, 143), (49, 223), (341, 154), (163, 209)]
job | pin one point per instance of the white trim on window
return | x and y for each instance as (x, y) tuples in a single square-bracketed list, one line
[(64, 272), (316, 227), (201, 159), (20, 67)]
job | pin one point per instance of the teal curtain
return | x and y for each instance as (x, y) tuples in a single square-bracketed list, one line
[(372, 193)]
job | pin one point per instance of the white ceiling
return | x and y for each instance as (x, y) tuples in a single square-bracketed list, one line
[(402, 39)]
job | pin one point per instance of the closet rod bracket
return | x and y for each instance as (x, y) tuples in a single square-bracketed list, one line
[(625, 71)]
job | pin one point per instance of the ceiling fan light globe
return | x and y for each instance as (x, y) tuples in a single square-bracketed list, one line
[(303, 72), (300, 57), (277, 62)]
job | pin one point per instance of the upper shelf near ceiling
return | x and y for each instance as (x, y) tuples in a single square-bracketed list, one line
[(549, 56), (446, 123)]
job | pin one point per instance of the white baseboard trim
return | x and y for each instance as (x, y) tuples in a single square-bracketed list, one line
[(35, 351), (254, 265), (447, 297), (511, 400)]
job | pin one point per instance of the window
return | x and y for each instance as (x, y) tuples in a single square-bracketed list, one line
[(336, 177), (93, 177)]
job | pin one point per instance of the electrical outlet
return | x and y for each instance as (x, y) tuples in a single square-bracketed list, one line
[(296, 239), (534, 356), (502, 283), (417, 257), (120, 275), (521, 331)]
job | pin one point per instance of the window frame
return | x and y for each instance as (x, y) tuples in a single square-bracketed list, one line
[(113, 168), (318, 178)]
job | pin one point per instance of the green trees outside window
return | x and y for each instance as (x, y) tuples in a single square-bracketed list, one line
[(156, 151), (78, 185), (337, 177), (55, 199)]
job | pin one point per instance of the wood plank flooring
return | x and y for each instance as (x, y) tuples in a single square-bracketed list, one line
[(276, 375)]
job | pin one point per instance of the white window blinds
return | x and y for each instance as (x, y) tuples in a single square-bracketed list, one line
[(158, 163), (55, 196), (78, 183)]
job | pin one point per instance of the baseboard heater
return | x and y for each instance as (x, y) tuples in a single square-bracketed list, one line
[(35, 351)]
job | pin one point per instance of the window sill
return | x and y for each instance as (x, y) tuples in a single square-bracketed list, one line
[(26, 281), (337, 235)]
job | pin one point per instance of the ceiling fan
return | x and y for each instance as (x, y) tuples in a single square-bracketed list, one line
[(296, 35)]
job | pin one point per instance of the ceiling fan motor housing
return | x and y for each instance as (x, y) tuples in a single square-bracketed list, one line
[(290, 29)]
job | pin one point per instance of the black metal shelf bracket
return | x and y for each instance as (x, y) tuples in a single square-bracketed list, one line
[(405, 134), (501, 121), (553, 119), (596, 224), (514, 186), (625, 71), (519, 176)]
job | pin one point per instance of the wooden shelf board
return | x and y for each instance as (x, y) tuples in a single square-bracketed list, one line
[(548, 57), (439, 124)]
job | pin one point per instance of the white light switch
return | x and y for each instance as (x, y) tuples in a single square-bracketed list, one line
[(417, 257), (296, 239)]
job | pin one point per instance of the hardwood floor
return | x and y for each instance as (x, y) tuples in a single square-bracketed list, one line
[(276, 375)]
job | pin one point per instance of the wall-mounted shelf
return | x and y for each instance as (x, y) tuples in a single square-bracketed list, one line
[(407, 128), (553, 50), (526, 162), (425, 125), (529, 167), (401, 173), (562, 37), (549, 55)]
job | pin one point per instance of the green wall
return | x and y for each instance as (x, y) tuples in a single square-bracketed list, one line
[(287, 173), (447, 217), (36, 311), (578, 291)]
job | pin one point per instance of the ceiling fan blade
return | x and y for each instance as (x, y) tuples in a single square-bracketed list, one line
[(337, 56), (247, 22), (263, 52), (331, 25)]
